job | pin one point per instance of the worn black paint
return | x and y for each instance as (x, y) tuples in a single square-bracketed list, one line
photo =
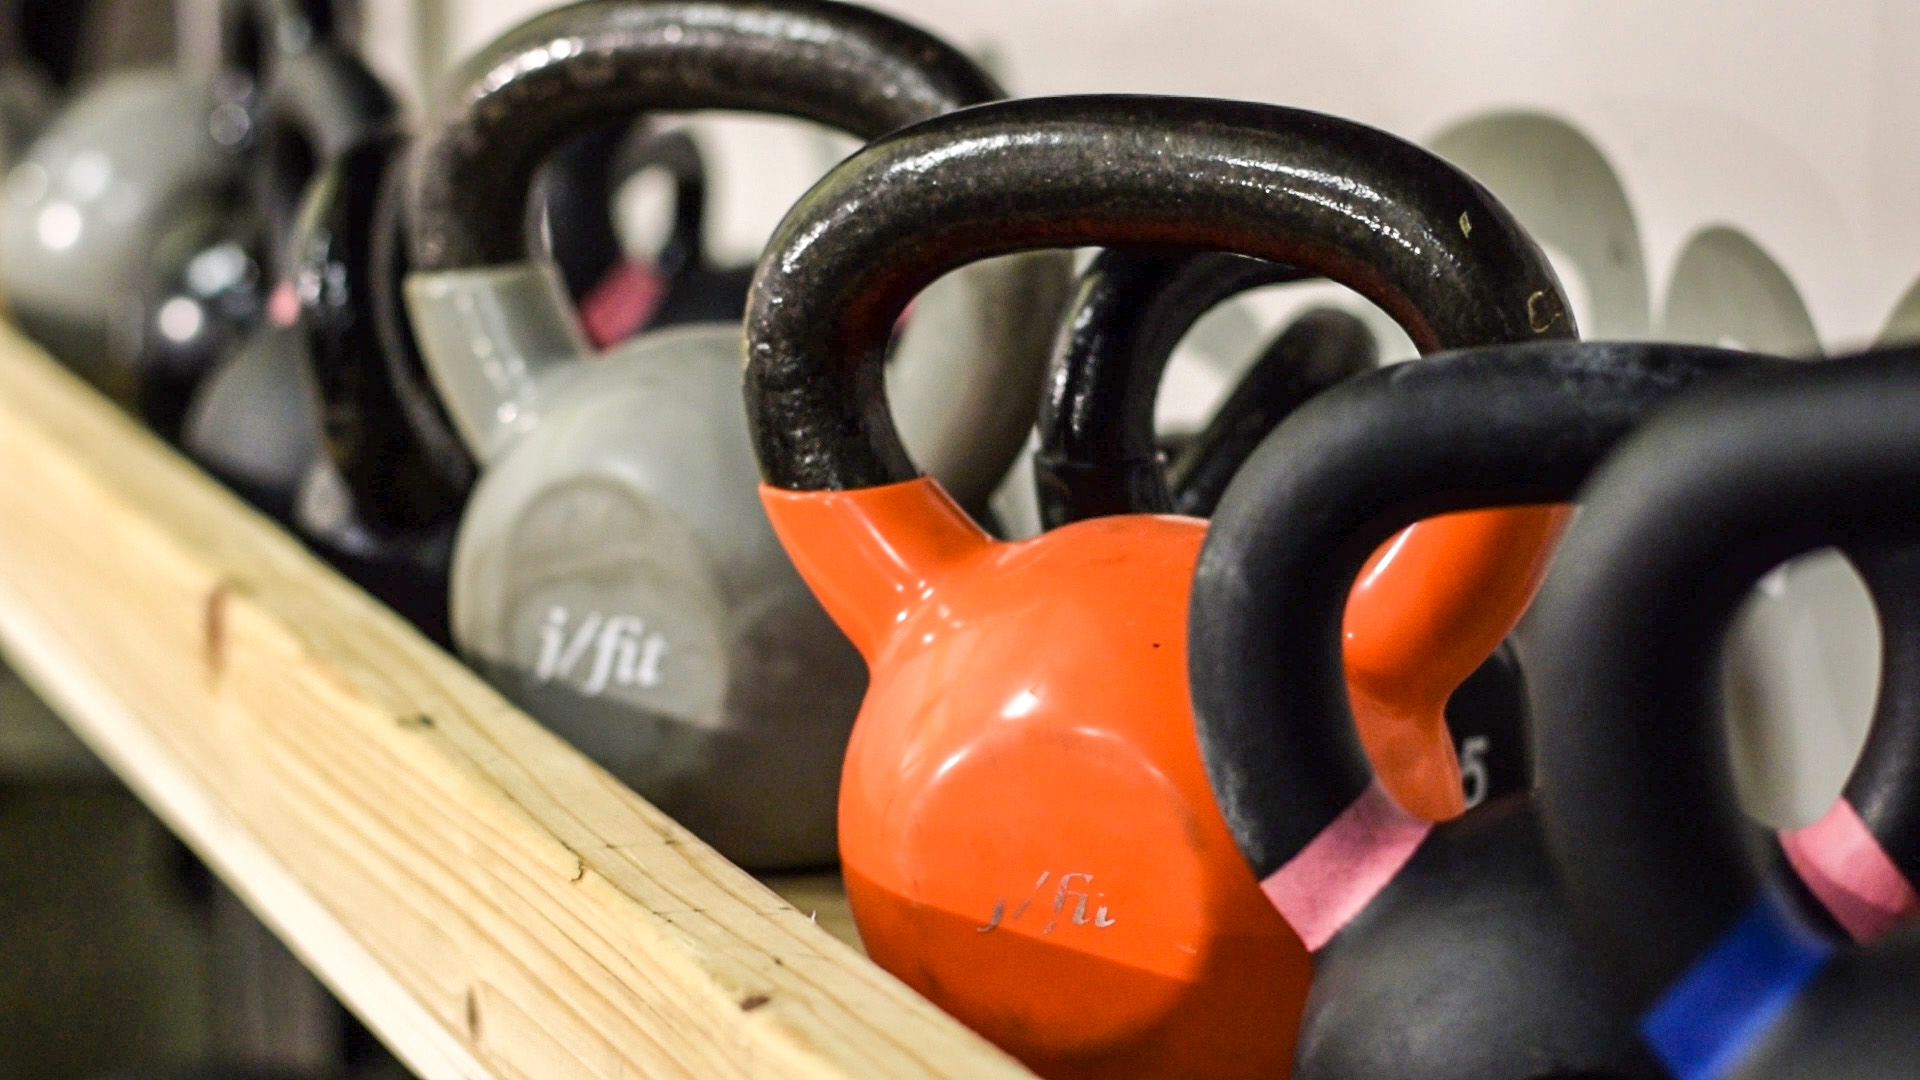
[(1416, 236)]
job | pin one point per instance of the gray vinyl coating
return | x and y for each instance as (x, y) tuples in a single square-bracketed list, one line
[(616, 577), (253, 419)]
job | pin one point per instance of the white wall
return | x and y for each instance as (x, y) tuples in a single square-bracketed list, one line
[(1797, 125)]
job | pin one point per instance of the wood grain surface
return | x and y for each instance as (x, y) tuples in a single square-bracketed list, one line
[(490, 902)]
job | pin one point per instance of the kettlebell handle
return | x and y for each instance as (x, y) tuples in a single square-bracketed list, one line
[(1342, 474), (1129, 311), (676, 153), (320, 103), (253, 35), (1636, 789), (406, 371), (580, 183), (1324, 346), (1403, 228), (513, 103), (397, 483)]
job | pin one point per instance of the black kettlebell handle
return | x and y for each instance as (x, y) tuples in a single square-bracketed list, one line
[(1130, 309), (1403, 228), (675, 152), (1636, 789), (1884, 786), (396, 483), (319, 104), (1321, 348), (577, 188), (517, 100), (406, 370), (1498, 426)]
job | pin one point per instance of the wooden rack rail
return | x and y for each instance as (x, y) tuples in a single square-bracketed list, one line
[(491, 903)]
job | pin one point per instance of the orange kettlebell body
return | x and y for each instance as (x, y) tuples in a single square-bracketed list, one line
[(1026, 830)]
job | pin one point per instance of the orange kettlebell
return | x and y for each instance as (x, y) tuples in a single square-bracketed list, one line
[(1026, 830)]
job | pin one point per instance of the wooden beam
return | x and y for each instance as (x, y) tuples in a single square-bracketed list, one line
[(490, 902)]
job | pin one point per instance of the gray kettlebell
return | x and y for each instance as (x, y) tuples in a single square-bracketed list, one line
[(129, 161), (615, 574)]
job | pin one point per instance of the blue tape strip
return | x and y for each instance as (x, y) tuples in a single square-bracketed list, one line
[(1711, 1016)]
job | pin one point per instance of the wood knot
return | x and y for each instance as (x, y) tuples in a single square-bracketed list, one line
[(214, 628), (753, 1001)]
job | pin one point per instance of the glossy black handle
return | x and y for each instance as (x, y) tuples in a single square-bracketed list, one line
[(320, 103), (406, 370), (1320, 349), (1481, 428), (1635, 783), (1393, 222), (1130, 309), (517, 100), (395, 482)]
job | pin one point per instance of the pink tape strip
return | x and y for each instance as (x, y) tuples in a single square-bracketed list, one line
[(283, 304), (620, 304), (1339, 873), (1845, 867)]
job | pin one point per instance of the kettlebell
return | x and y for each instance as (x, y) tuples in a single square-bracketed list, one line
[(1441, 949), (692, 287), (1122, 301), (253, 423), (1026, 834), (381, 497), (1721, 961), (374, 499), (1097, 456), (573, 221), (613, 573), (98, 193)]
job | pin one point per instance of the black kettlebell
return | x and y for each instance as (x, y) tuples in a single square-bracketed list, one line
[(375, 500), (698, 290), (1723, 964), (252, 422), (1440, 950), (205, 286), (617, 296)]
